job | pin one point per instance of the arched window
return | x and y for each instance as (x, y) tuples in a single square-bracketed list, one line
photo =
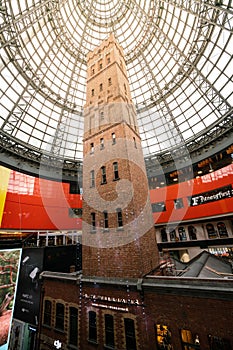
[(222, 230), (115, 171), (163, 235), (130, 338), (182, 233), (192, 232), (47, 312), (73, 329), (60, 310), (103, 175), (92, 326), (211, 231), (109, 331)]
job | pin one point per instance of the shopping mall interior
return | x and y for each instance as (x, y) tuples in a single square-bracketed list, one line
[(116, 175)]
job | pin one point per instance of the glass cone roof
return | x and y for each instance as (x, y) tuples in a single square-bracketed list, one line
[(178, 55)]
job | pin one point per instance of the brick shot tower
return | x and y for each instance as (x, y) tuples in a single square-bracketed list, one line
[(118, 231)]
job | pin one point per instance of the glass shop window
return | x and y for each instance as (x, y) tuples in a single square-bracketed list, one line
[(192, 232), (47, 312), (217, 343), (109, 331), (103, 175), (73, 326), (222, 230), (60, 310), (130, 338), (172, 235), (182, 233), (92, 326), (163, 235), (163, 337), (211, 231), (189, 341), (158, 207)]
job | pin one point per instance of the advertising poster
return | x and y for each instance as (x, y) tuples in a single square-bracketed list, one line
[(9, 271)]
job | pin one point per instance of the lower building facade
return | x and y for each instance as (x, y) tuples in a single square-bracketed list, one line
[(135, 314)]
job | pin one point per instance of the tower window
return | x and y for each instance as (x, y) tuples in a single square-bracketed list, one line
[(115, 171), (119, 218), (102, 143), (105, 219), (93, 221), (59, 316), (92, 147), (92, 70), (101, 115), (92, 92), (92, 178), (101, 87), (113, 138), (109, 81), (92, 327), (108, 59), (100, 65), (135, 144), (109, 331), (103, 174)]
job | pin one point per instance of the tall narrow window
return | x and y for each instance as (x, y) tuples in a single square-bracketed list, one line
[(222, 230), (101, 143), (100, 65), (93, 222), (103, 174), (92, 92), (60, 316), (130, 334), (105, 219), (73, 328), (92, 147), (109, 81), (92, 178), (119, 218), (92, 327), (109, 331), (101, 87), (47, 312), (115, 171), (113, 138)]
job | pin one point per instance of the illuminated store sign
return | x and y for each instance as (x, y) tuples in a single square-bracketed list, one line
[(212, 196), (122, 301)]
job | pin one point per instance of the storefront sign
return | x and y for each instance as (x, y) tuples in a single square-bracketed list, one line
[(100, 298), (212, 196)]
